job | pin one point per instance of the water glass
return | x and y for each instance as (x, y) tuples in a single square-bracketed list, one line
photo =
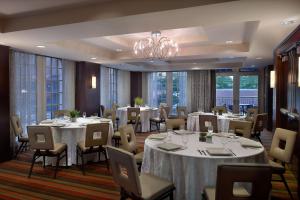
[(184, 139), (84, 114), (169, 135), (210, 130)]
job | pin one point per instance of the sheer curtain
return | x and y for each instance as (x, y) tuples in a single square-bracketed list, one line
[(157, 88), (123, 90), (202, 90), (23, 91), (108, 86)]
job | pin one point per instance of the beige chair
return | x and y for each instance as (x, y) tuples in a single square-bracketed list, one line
[(251, 114), (133, 185), (158, 120), (127, 132), (182, 112), (208, 118), (284, 154), (41, 141), (18, 132), (259, 175), (96, 137), (240, 127), (219, 109), (102, 109), (259, 125), (134, 117), (175, 124), (61, 113)]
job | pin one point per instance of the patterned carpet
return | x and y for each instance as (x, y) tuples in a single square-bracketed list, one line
[(71, 184)]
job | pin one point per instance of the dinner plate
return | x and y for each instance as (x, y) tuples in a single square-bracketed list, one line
[(218, 151)]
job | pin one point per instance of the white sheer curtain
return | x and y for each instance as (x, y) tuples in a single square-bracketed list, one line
[(23, 89), (69, 85), (157, 88), (108, 86), (123, 90)]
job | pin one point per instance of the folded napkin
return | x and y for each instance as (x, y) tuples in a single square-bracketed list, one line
[(47, 121), (157, 136), (218, 151), (249, 143), (182, 132), (169, 146)]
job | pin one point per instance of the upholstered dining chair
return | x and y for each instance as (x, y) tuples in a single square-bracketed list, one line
[(175, 124), (282, 154), (102, 109), (182, 112), (96, 137), (241, 127), (157, 120), (61, 113), (18, 132), (259, 175), (134, 117), (126, 133), (259, 125), (133, 185), (41, 141), (219, 109), (208, 118), (251, 114)]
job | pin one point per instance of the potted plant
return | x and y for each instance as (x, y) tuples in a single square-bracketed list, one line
[(73, 115), (138, 101)]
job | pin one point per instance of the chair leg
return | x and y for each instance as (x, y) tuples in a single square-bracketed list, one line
[(286, 185), (171, 195), (57, 164), (99, 155), (32, 163), (82, 163), (158, 127), (77, 156), (19, 149), (106, 160), (66, 153), (44, 162)]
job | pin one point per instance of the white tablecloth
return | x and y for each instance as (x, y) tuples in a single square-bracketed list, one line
[(146, 114), (223, 121), (188, 169), (71, 134)]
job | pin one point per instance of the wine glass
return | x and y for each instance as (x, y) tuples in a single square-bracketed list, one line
[(84, 114), (169, 135), (210, 130), (184, 139)]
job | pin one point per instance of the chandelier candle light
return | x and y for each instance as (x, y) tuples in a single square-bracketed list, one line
[(156, 47)]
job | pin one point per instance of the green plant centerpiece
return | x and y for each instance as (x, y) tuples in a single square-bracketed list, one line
[(74, 114), (138, 101)]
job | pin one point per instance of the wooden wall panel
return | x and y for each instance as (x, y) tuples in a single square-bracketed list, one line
[(136, 79), (5, 151), (87, 99)]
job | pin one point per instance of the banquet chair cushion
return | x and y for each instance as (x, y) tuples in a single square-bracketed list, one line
[(124, 132), (241, 127), (277, 168), (175, 123), (237, 191), (153, 187), (58, 148), (139, 157), (82, 146)]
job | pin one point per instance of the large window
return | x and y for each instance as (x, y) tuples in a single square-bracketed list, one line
[(224, 91), (248, 92), (54, 86), (167, 87), (23, 87), (113, 96)]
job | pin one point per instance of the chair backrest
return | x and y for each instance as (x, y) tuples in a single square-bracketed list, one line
[(115, 106), (111, 114), (102, 108), (242, 127), (163, 113), (124, 131), (181, 111), (40, 137), (289, 137), (220, 109), (175, 123), (96, 134), (61, 113), (124, 170), (257, 174), (16, 125), (205, 119), (133, 114), (259, 122), (251, 114)]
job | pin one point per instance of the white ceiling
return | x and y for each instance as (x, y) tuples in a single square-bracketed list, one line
[(101, 29)]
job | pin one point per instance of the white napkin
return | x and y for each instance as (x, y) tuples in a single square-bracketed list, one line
[(249, 143)]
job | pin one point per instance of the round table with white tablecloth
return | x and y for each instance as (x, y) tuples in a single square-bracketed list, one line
[(223, 121), (190, 170), (73, 132), (146, 114)]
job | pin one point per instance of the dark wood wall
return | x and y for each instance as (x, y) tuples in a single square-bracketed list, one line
[(268, 96), (4, 105), (87, 99), (136, 79), (287, 93)]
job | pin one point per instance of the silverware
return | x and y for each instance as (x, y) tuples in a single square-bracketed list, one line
[(204, 152), (200, 152), (232, 152)]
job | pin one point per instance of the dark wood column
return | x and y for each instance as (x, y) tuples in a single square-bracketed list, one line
[(5, 151), (87, 99), (135, 86)]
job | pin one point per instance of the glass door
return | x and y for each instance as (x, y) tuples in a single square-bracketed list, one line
[(248, 92), (224, 91)]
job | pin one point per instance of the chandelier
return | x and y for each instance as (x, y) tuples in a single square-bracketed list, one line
[(156, 47)]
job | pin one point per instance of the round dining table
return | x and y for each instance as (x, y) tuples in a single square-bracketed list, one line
[(192, 168), (70, 133), (223, 120), (146, 114)]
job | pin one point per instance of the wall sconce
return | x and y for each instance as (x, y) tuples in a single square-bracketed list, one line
[(272, 79), (94, 82)]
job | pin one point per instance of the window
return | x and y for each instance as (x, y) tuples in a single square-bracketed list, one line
[(113, 95), (157, 88), (224, 91), (23, 87), (248, 92), (54, 86), (179, 81)]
